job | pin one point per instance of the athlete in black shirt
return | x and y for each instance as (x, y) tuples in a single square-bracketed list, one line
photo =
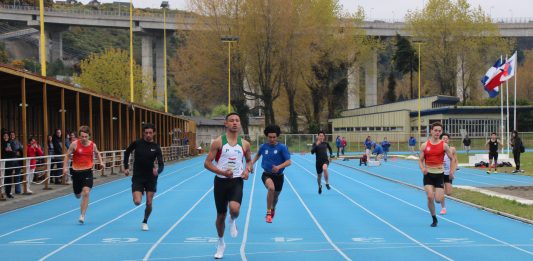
[(492, 145), (144, 172), (320, 148)]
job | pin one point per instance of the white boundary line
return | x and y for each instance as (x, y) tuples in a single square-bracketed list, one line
[(248, 213), (444, 218), (382, 220), (317, 223), (113, 220), (75, 209), (154, 246)]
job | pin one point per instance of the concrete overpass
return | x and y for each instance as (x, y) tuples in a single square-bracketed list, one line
[(150, 28)]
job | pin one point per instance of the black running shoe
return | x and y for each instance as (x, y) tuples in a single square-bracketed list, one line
[(328, 187), (320, 189)]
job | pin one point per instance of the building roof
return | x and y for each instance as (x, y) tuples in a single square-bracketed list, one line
[(467, 110)]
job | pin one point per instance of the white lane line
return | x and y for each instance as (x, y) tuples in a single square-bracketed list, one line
[(113, 220), (316, 222), (444, 218), (248, 214), (154, 246), (76, 209), (380, 219)]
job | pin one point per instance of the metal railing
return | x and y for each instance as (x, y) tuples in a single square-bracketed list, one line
[(303, 142), (119, 12), (14, 171)]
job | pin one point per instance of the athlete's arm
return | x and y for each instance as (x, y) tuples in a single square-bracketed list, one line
[(313, 149), (99, 156), (256, 158), (248, 157), (330, 151), (160, 163), (453, 161), (127, 157), (421, 161), (71, 149), (216, 145)]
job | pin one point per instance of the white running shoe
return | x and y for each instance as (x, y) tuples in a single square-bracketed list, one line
[(144, 227), (233, 228), (82, 219), (220, 249)]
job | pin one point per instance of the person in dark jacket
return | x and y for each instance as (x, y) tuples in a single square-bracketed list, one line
[(466, 142), (518, 148), (7, 153), (18, 149), (57, 143)]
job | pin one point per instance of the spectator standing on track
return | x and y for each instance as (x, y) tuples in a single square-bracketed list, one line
[(518, 148), (431, 164), (229, 151), (343, 145), (276, 158), (18, 149), (493, 145), (33, 150), (385, 144), (83, 152), (321, 148), (449, 163), (145, 174), (466, 142), (412, 144), (338, 144)]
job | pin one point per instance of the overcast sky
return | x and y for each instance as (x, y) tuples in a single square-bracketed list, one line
[(387, 9)]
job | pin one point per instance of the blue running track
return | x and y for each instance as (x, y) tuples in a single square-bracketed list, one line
[(362, 217)]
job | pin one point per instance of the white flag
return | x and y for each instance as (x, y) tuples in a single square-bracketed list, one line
[(509, 68)]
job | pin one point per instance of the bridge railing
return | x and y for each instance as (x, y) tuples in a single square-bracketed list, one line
[(78, 11)]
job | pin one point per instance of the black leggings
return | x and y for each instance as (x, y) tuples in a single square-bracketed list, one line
[(516, 155)]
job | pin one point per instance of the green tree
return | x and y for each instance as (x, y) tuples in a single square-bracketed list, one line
[(109, 73), (448, 27), (406, 60)]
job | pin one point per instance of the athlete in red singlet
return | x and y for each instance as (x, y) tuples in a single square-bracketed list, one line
[(83, 151), (432, 165)]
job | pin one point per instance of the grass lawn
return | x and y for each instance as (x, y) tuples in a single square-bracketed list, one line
[(526, 160), (496, 203)]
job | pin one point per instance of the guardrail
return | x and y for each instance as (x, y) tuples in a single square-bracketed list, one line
[(122, 12), (16, 171)]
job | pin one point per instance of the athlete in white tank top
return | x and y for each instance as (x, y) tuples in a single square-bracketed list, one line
[(230, 158), (446, 165)]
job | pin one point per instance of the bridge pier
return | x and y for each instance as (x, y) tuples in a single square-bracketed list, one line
[(354, 87), (371, 80), (53, 38), (154, 69), (147, 56), (160, 68)]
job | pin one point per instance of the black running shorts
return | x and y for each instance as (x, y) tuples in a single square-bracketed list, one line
[(80, 179), (226, 190), (493, 155), (435, 180), (276, 178), (143, 183), (319, 165), (447, 179)]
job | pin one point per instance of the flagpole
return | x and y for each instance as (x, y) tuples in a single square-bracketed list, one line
[(514, 111), (507, 116), (501, 112)]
